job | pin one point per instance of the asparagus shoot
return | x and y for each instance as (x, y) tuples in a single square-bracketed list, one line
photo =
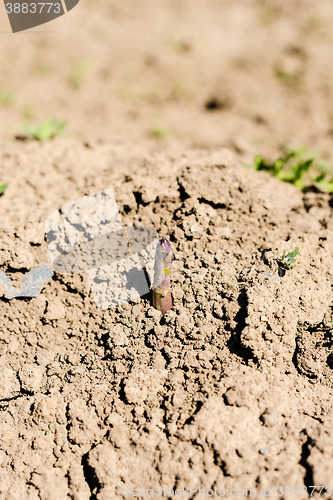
[(162, 298)]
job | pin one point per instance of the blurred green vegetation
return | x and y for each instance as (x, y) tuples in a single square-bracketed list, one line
[(28, 111), (291, 79), (78, 73), (7, 97), (44, 69), (3, 188), (299, 167), (49, 129), (160, 132)]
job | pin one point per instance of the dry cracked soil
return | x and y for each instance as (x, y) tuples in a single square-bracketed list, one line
[(232, 389)]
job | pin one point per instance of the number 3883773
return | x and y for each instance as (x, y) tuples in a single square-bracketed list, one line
[(32, 8)]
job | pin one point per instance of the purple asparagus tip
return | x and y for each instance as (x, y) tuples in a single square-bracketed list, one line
[(166, 247), (162, 299)]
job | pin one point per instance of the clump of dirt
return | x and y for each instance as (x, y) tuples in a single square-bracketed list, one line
[(232, 388)]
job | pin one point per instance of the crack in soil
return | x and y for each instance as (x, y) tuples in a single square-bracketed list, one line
[(90, 476), (212, 204), (234, 344), (308, 478)]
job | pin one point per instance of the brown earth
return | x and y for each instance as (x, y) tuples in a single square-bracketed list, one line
[(233, 387), (250, 75)]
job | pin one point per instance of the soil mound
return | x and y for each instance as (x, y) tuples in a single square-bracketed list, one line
[(232, 388)]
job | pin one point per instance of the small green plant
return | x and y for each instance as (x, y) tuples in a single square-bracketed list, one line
[(78, 73), (160, 132), (299, 167), (177, 44), (288, 260), (27, 111), (6, 97), (48, 129), (3, 188), (49, 429), (291, 79), (125, 91), (44, 69), (270, 15), (178, 90), (315, 25)]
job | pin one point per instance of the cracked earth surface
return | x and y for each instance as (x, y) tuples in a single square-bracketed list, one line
[(231, 388)]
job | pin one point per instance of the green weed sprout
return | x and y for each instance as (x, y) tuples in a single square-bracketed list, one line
[(78, 73), (6, 97), (162, 298), (48, 129), (291, 79), (160, 132), (287, 260), (27, 111), (298, 167), (3, 188)]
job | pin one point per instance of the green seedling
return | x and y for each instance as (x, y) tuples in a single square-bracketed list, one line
[(178, 45), (290, 79), (160, 132), (270, 15), (162, 298), (125, 91), (49, 429), (44, 69), (78, 73), (288, 260), (3, 188), (47, 130), (27, 111), (6, 97), (179, 90), (315, 25), (299, 167)]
